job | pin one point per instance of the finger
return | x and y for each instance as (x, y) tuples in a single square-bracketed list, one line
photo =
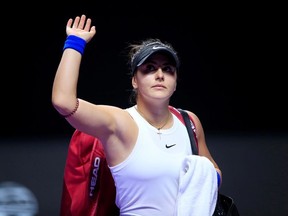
[(82, 22), (76, 22), (88, 25), (93, 30), (69, 22)]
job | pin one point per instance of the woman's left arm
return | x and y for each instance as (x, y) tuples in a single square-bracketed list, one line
[(202, 146)]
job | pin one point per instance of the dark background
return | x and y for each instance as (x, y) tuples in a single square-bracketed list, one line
[(233, 76)]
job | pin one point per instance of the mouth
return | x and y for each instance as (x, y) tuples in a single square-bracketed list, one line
[(158, 86)]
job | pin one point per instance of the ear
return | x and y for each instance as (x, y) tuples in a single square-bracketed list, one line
[(134, 82)]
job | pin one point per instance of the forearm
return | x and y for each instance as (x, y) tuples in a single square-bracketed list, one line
[(64, 92)]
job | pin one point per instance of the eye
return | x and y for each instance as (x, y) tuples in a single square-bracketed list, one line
[(169, 69), (147, 68)]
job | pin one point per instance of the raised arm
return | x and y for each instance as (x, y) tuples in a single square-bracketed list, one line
[(64, 92), (108, 123)]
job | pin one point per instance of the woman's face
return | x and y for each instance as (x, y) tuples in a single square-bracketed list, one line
[(156, 77)]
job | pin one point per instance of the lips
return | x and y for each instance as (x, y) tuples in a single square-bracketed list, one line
[(158, 86)]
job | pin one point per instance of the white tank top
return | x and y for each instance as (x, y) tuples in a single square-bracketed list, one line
[(147, 181)]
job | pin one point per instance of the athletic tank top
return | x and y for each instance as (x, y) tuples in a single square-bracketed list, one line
[(147, 181)]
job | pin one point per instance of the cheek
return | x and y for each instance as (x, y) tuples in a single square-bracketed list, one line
[(145, 81), (173, 83), (139, 83)]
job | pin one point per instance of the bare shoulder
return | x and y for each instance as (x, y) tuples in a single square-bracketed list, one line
[(194, 117), (197, 122)]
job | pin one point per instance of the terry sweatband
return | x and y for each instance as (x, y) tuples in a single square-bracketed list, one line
[(218, 178), (76, 43)]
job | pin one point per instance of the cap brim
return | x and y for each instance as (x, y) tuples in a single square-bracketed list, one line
[(153, 51)]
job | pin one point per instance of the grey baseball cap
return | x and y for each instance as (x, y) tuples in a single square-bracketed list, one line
[(148, 49)]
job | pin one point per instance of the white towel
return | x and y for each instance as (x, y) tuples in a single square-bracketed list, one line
[(197, 187)]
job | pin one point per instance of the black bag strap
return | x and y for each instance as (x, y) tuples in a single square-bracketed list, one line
[(189, 124)]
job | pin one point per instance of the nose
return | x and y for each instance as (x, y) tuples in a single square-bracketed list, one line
[(159, 73)]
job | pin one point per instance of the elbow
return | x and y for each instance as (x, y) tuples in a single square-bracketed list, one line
[(60, 104)]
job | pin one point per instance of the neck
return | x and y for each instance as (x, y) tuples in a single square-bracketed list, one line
[(157, 121)]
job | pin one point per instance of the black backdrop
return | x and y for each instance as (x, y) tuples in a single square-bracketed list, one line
[(232, 77), (232, 73)]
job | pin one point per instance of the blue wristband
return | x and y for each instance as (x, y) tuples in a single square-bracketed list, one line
[(218, 179), (76, 43)]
